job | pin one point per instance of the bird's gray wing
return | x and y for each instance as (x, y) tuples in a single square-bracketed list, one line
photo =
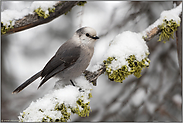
[(65, 57)]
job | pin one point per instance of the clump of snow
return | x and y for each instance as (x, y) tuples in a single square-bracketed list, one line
[(83, 83), (44, 5), (172, 14), (95, 67), (12, 15), (86, 85), (126, 44), (45, 106)]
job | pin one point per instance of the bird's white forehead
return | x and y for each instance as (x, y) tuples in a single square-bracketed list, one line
[(90, 30), (85, 30)]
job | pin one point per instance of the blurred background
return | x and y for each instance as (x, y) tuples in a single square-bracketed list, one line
[(155, 96)]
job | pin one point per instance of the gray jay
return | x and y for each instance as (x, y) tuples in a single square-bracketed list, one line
[(70, 60)]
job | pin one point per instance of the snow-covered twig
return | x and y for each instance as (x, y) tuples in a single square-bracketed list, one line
[(30, 18), (169, 15)]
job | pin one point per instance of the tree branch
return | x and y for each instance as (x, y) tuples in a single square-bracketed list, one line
[(154, 31), (93, 76), (33, 20)]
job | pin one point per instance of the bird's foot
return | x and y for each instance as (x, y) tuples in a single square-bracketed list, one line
[(80, 89)]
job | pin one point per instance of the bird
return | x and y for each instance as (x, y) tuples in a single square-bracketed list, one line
[(70, 61)]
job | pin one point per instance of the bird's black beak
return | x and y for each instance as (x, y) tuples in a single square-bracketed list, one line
[(95, 37)]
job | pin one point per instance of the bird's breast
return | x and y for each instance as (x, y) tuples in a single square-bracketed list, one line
[(79, 66)]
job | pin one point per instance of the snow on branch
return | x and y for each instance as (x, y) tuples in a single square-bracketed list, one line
[(128, 53), (57, 105), (40, 12), (166, 25)]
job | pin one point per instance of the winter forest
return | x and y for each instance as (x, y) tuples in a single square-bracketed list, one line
[(135, 74)]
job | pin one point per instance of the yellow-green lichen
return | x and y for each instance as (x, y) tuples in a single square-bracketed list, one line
[(44, 119), (81, 3), (51, 10), (89, 95), (109, 60), (40, 110), (85, 108), (67, 11), (82, 109), (6, 28), (65, 115), (134, 67), (23, 114), (47, 119), (167, 29), (41, 13)]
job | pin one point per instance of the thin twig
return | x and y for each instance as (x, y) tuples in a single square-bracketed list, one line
[(93, 76)]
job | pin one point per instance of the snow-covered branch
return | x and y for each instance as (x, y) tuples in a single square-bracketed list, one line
[(59, 103), (39, 13), (166, 25), (120, 66)]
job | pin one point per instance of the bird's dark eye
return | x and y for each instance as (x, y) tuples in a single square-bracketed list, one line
[(87, 34)]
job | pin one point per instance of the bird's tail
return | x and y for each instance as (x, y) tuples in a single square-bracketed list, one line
[(26, 83)]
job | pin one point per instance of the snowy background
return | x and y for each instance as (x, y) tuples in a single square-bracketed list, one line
[(156, 96)]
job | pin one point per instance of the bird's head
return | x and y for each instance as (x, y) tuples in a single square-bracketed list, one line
[(87, 35)]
